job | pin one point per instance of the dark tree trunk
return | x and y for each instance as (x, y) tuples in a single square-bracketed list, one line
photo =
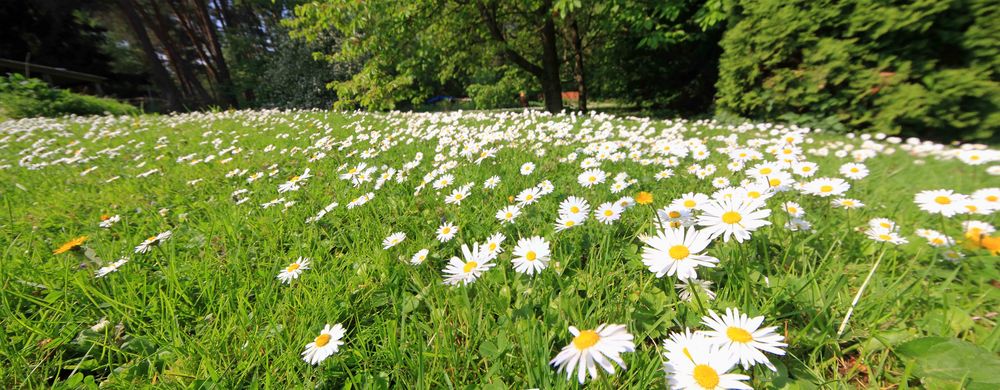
[(551, 86), (224, 79), (578, 70), (160, 76), (180, 64), (548, 73)]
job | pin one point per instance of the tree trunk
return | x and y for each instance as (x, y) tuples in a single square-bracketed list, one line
[(160, 76), (224, 79), (551, 86), (181, 66), (548, 73), (578, 71)]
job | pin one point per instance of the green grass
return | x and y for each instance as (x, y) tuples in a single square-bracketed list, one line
[(205, 307)]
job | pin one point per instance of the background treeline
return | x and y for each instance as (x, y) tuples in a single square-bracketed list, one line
[(925, 67)]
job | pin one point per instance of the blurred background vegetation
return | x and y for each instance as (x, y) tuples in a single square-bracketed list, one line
[(927, 68)]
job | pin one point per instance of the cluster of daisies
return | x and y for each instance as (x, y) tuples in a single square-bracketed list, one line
[(750, 176)]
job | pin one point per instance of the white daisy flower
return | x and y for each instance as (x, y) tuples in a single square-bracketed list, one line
[(419, 257), (393, 239), (569, 221), (733, 218), (293, 270), (531, 255), (528, 196), (150, 242), (327, 343), (592, 348), (743, 338), (703, 366), (676, 252), (608, 213), (467, 271), (492, 182), (446, 232), (105, 270), (509, 213), (493, 245), (826, 186), (591, 177), (944, 202), (527, 168)]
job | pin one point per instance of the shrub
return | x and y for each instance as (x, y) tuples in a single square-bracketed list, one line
[(926, 68), (501, 94), (22, 97)]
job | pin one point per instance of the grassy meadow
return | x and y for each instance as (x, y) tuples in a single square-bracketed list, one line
[(221, 205)]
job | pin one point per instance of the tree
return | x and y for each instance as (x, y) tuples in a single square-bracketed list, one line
[(411, 48)]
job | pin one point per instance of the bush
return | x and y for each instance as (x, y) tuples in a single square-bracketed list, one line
[(926, 68), (22, 97), (501, 94)]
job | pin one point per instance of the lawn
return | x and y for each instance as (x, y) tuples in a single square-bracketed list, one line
[(222, 204)]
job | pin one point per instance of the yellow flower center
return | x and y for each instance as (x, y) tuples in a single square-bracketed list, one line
[(826, 189), (592, 179), (689, 203), (470, 266), (854, 170), (731, 217), (792, 210), (739, 335), (352, 171), (458, 196), (608, 213), (292, 267), (942, 200), (570, 223), (753, 194), (674, 214), (574, 209), (806, 169), (774, 182), (446, 230), (675, 224), (508, 215), (295, 178), (765, 171), (992, 198), (586, 339), (706, 376), (972, 208), (322, 340), (529, 197), (679, 252), (493, 246), (531, 256), (884, 237)]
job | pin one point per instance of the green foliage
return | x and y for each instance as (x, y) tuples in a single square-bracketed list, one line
[(926, 68), (502, 93), (289, 77), (942, 362), (22, 97)]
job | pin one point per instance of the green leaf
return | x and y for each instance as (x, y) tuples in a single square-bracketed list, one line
[(941, 359)]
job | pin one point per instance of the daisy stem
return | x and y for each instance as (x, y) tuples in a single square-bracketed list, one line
[(857, 297), (697, 296), (944, 225)]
